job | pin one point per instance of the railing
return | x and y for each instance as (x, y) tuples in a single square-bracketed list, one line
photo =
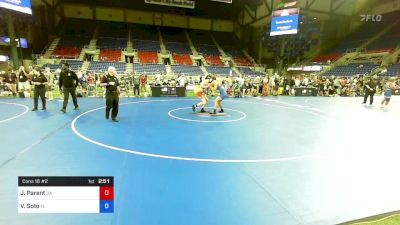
[(64, 57), (46, 47)]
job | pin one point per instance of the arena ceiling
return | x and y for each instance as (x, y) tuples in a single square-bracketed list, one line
[(212, 9), (204, 8)]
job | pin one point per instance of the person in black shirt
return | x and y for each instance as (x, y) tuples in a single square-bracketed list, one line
[(136, 85), (10, 80), (40, 81), (68, 82), (110, 81), (23, 81), (370, 89)]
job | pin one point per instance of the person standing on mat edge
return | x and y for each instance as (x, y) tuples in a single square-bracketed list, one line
[(68, 82), (370, 89), (50, 81), (200, 93), (136, 85), (40, 81), (222, 95), (23, 84), (389, 86), (10, 80), (110, 81)]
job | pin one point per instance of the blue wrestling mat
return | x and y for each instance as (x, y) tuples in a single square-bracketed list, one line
[(286, 160)]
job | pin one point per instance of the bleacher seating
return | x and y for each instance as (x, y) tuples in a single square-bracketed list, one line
[(351, 69), (103, 66), (183, 59), (146, 45), (146, 42), (76, 35), (145, 32), (200, 37), (73, 42), (232, 51), (387, 42), (148, 57), (357, 38), (74, 65), (246, 71), (325, 57), (150, 68), (52, 67), (111, 43), (110, 55), (66, 52), (70, 46), (178, 47), (112, 39), (208, 49), (187, 70), (113, 29), (219, 70), (229, 44), (79, 28), (213, 60), (203, 42), (173, 34), (237, 55), (242, 61), (175, 40), (364, 32), (393, 70), (225, 38)]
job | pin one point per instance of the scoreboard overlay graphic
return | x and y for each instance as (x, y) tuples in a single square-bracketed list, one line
[(65, 194)]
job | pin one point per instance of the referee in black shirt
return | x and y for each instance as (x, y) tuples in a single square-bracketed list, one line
[(370, 90), (68, 82), (110, 81), (40, 81)]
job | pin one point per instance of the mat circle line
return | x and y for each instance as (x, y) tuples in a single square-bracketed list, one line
[(244, 115), (193, 159), (17, 116)]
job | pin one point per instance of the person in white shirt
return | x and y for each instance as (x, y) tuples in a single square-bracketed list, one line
[(306, 81), (297, 82), (50, 83), (182, 80), (23, 81), (158, 78), (79, 74)]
